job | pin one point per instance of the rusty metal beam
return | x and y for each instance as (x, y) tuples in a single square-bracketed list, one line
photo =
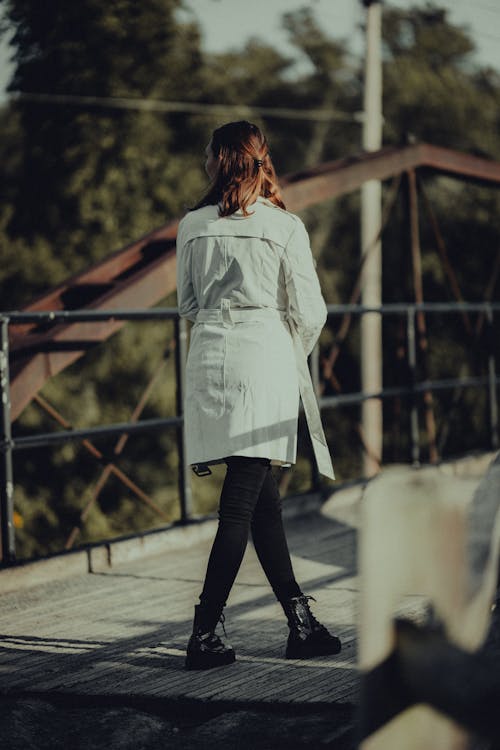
[(336, 178), (143, 273), (62, 345), (459, 164), (118, 266)]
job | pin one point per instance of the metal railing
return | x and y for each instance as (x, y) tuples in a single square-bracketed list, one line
[(9, 444), (416, 388)]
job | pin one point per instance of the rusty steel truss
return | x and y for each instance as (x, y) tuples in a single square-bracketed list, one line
[(144, 272)]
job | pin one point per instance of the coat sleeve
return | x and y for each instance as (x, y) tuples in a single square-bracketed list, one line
[(186, 299), (306, 306)]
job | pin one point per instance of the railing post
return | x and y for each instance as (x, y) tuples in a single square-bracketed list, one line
[(492, 385), (185, 492), (314, 368), (412, 365), (421, 325), (7, 537)]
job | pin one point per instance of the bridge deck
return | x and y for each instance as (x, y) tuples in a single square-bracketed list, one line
[(123, 632)]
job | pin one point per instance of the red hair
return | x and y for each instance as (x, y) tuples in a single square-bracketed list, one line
[(245, 170)]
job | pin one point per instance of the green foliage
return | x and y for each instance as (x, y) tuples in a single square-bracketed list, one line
[(81, 181), (432, 90)]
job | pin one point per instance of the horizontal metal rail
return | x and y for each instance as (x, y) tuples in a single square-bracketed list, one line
[(8, 443), (120, 428), (162, 313), (400, 308), (86, 316), (344, 399)]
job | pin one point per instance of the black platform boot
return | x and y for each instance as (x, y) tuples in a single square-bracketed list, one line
[(307, 636), (205, 649)]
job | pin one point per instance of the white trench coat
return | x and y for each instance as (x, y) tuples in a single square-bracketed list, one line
[(250, 286)]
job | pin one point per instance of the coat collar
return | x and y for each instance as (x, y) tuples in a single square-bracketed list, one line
[(260, 199)]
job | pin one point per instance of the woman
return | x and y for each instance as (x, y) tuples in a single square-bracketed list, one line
[(246, 278)]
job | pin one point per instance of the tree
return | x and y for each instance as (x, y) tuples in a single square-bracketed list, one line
[(81, 181), (433, 90), (89, 178)]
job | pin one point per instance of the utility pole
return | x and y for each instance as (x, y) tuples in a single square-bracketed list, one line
[(371, 248)]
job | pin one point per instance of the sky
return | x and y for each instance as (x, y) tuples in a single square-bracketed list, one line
[(228, 24)]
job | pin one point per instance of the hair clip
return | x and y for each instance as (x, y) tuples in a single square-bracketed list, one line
[(258, 162)]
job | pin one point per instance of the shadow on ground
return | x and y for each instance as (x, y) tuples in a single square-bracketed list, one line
[(31, 722)]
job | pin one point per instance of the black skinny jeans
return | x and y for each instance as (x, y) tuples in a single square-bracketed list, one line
[(249, 499)]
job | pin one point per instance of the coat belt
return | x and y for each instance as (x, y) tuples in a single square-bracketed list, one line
[(228, 315)]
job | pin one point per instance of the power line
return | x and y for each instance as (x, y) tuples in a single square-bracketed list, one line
[(160, 105), (487, 7)]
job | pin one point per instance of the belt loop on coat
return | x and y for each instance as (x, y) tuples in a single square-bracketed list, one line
[(225, 306)]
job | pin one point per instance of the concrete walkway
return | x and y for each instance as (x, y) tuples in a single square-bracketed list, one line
[(96, 659)]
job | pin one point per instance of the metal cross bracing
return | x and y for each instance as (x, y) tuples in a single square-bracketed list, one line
[(412, 390), (143, 273), (62, 325), (88, 436)]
